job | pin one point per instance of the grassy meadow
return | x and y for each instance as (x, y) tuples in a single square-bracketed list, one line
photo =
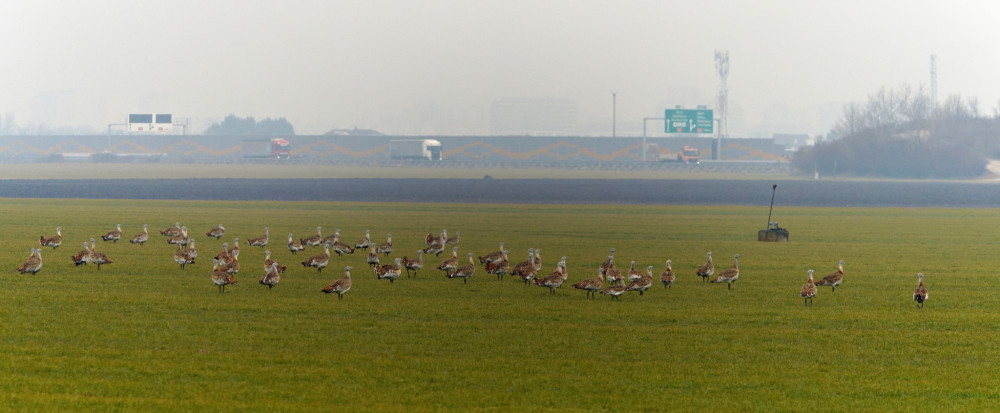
[(142, 334)]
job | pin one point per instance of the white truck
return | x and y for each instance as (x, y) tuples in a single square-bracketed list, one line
[(429, 149)]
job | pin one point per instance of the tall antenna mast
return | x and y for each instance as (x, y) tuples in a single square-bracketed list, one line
[(722, 106), (934, 100)]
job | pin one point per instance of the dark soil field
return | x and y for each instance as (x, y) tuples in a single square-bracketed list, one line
[(528, 191)]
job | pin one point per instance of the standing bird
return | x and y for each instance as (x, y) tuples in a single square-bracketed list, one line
[(706, 270), (340, 286), (592, 285), (174, 230), (339, 247), (372, 257), (181, 257), (499, 268), (633, 274), (555, 279), (413, 265), (33, 264), (729, 276), (233, 265), (833, 279), (141, 237), (614, 290), (610, 261), (453, 240), (191, 252), (98, 257), (436, 246), (642, 283), (667, 276), (526, 270), (364, 242), (920, 294), (53, 241), (313, 240), (318, 261), (465, 271), (293, 245), (449, 264), (493, 256), (271, 276), (611, 272), (385, 247), (389, 271), (268, 262), (808, 290), (113, 235), (260, 241), (216, 232), (220, 277), (82, 257), (180, 239)]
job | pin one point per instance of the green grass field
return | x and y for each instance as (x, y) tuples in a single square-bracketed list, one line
[(143, 335)]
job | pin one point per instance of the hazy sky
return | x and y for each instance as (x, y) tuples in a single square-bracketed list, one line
[(436, 67)]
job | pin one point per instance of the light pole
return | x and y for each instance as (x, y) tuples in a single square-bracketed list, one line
[(614, 112)]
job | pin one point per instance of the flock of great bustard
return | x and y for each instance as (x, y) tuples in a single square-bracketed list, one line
[(609, 280)]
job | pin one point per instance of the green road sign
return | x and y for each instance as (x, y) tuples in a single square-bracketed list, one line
[(689, 121)]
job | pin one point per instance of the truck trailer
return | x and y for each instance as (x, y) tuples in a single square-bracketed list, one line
[(265, 148), (429, 149)]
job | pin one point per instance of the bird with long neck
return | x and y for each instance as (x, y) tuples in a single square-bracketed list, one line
[(729, 276), (808, 290), (834, 279), (920, 294), (706, 270)]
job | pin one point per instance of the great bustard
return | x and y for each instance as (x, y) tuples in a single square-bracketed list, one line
[(667, 276), (592, 285), (453, 240), (526, 270), (181, 257), (499, 268), (269, 263), (730, 275), (920, 294), (113, 235), (172, 231), (220, 277), (260, 241), (615, 290), (82, 257), (340, 286), (271, 276), (33, 264), (611, 272), (706, 270), (181, 238), (318, 261), (390, 272), (364, 242), (53, 241), (464, 271), (313, 240), (808, 290), (141, 237), (633, 274), (385, 247), (493, 256), (413, 264), (610, 261), (372, 257), (293, 245), (339, 247), (833, 279), (642, 283), (216, 232), (555, 279), (98, 257)]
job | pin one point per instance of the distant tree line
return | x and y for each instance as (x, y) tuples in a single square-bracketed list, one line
[(901, 134), (234, 125)]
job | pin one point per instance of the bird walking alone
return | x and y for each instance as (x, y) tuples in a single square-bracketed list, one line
[(920, 294), (706, 270)]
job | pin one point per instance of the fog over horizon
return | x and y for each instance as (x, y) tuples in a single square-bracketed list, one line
[(439, 67)]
